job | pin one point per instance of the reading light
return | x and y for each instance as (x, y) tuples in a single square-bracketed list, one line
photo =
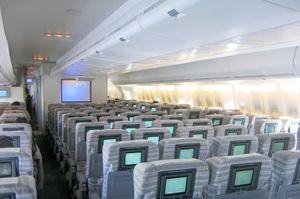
[(58, 35)]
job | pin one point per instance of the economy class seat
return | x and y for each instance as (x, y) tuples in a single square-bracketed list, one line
[(183, 148), (147, 119), (153, 134), (271, 143), (234, 145), (174, 117), (112, 119), (93, 174), (198, 122), (130, 115), (285, 181), (117, 112), (217, 119), (185, 178), (168, 109), (22, 187), (129, 126), (89, 112), (171, 125), (230, 130), (239, 177), (267, 126), (100, 114), (206, 132), (239, 120), (158, 113), (119, 160), (253, 119)]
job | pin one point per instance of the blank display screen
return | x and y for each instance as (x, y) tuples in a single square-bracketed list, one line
[(113, 140), (153, 109), (176, 185), (104, 139), (230, 132), (5, 169), (200, 123), (171, 127), (270, 128), (186, 153), (154, 139), (130, 128), (217, 121), (194, 115), (143, 107), (243, 177), (198, 134), (75, 91), (278, 145), (133, 158), (239, 121), (148, 123), (239, 149), (90, 128)]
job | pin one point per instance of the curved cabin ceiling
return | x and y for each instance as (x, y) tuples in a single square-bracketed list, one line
[(147, 34)]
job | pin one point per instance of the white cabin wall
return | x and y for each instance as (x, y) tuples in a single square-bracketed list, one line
[(51, 90), (16, 94)]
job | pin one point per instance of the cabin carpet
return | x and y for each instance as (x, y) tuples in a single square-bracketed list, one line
[(55, 186)]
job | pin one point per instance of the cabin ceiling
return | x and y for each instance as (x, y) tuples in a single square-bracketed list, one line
[(205, 29), (27, 21)]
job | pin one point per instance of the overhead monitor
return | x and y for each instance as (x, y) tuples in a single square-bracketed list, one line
[(200, 123), (154, 137), (194, 115), (4, 92), (76, 90), (217, 121), (233, 132), (9, 167), (198, 134), (243, 177), (129, 157), (176, 184), (278, 144), (186, 151), (172, 127), (148, 122), (130, 127), (296, 179), (90, 128), (238, 121), (239, 147), (103, 139), (270, 127), (111, 122)]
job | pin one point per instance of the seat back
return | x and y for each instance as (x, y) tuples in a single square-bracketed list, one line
[(94, 142), (217, 119), (153, 134), (234, 145), (19, 139), (239, 120), (129, 126), (59, 121), (194, 113), (168, 109), (238, 176), (117, 112), (100, 114), (89, 112), (171, 125), (230, 130), (130, 115), (174, 117), (285, 175), (158, 113), (206, 132), (22, 187), (15, 162), (198, 122), (111, 119), (119, 159), (271, 143), (183, 148), (253, 119), (54, 117), (71, 128), (65, 118), (291, 126), (147, 119), (170, 178), (268, 126), (81, 134), (22, 127)]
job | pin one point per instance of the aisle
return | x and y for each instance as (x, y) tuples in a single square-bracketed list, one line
[(54, 184)]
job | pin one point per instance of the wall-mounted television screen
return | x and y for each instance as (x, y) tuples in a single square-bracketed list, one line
[(75, 91), (4, 92)]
